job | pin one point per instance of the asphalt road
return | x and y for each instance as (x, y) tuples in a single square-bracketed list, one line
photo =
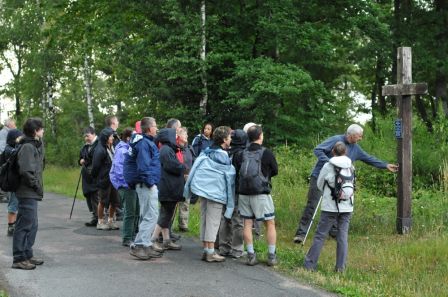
[(81, 261)]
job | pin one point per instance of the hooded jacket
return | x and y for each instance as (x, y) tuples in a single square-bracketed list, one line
[(11, 142), (327, 174), (200, 143), (142, 163), (116, 172), (213, 177), (30, 159), (102, 160), (172, 176)]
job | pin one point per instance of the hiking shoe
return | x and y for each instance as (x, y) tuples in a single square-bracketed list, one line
[(272, 259), (157, 247), (113, 225), (139, 252), (36, 261), (183, 229), (102, 226), (224, 253), (25, 265), (174, 237), (237, 254), (299, 239), (91, 223), (170, 245), (204, 256), (152, 253), (251, 259), (126, 243), (214, 258), (11, 229)]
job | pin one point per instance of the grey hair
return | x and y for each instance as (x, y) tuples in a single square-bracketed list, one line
[(354, 129), (146, 123), (8, 122)]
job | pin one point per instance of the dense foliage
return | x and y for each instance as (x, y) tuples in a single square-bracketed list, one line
[(297, 67)]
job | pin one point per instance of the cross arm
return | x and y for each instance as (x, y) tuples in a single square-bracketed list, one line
[(407, 89)]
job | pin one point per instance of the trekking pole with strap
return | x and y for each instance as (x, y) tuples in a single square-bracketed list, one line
[(312, 220), (74, 198)]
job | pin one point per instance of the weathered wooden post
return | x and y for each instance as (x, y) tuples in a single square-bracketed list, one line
[(404, 89)]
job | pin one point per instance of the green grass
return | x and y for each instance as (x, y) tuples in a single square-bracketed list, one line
[(380, 262)]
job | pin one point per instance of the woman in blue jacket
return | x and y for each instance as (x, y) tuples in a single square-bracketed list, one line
[(212, 178)]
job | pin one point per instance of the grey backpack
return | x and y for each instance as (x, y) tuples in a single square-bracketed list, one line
[(251, 178)]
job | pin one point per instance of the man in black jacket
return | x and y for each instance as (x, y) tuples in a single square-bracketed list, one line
[(89, 187), (30, 159)]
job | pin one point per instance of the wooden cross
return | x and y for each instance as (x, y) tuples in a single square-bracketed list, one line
[(404, 89)]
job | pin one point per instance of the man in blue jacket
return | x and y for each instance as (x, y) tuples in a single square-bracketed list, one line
[(142, 171), (323, 153)]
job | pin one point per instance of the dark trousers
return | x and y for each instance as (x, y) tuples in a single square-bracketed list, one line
[(313, 199), (26, 230), (129, 200), (92, 203)]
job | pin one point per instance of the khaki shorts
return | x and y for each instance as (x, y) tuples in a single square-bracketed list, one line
[(259, 207)]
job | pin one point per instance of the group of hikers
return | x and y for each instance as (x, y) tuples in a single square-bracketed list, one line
[(148, 173)]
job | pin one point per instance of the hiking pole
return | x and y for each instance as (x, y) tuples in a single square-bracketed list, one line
[(312, 220), (74, 198)]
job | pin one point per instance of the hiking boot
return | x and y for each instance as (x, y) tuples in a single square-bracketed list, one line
[(174, 237), (183, 229), (251, 259), (237, 254), (152, 253), (36, 261), (126, 243), (91, 223), (157, 247), (299, 239), (272, 259), (214, 258), (113, 225), (11, 229), (224, 253), (170, 245), (102, 226), (25, 265), (139, 252)]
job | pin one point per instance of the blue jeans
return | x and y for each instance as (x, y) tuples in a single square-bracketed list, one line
[(327, 220), (26, 230), (13, 203), (148, 199)]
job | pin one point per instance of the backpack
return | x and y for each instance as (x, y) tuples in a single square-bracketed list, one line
[(344, 184), (9, 173), (251, 178)]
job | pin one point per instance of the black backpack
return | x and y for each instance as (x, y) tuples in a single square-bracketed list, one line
[(251, 178), (9, 172)]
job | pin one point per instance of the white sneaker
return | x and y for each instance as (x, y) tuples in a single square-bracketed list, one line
[(102, 226), (113, 225)]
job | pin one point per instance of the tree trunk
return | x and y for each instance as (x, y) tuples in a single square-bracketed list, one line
[(204, 99), (380, 81), (88, 90)]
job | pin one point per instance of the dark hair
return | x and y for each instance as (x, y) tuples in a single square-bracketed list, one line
[(220, 134), (339, 149), (254, 133), (203, 127), (89, 130), (172, 123), (126, 133), (31, 126), (146, 123), (108, 120)]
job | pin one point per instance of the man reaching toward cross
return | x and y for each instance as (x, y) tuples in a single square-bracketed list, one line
[(323, 153)]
